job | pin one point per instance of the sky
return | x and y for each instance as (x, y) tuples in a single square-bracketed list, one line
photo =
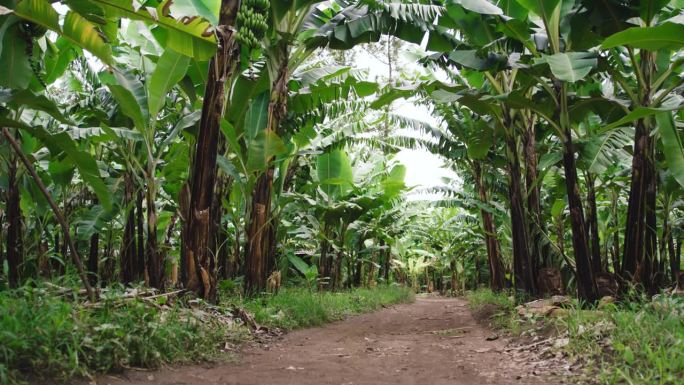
[(423, 169)]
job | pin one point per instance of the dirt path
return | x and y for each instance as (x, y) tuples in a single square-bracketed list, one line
[(432, 341)]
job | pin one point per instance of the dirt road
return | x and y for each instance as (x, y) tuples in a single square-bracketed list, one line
[(433, 341)]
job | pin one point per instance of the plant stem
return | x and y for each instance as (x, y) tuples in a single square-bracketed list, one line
[(92, 293)]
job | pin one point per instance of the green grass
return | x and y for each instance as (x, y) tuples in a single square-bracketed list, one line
[(634, 342), (295, 308), (498, 308), (56, 337), (481, 297)]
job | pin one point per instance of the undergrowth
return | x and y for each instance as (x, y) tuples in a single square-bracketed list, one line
[(640, 341), (496, 308), (56, 337), (295, 308), (59, 337)]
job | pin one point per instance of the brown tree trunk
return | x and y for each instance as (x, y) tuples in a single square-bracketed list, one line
[(560, 235), (386, 251), (635, 233), (54, 264), (93, 258), (172, 279), (358, 273), (184, 209), (616, 234), (639, 242), (224, 254), (325, 261), (221, 245), (454, 278), (109, 256), (337, 271), (522, 263), (674, 263), (128, 246), (370, 278), (235, 264), (651, 271), (200, 263), (257, 256), (76, 259), (155, 262), (272, 243), (586, 286), (538, 253), (496, 273), (14, 222), (664, 248), (675, 258), (139, 261), (592, 222)]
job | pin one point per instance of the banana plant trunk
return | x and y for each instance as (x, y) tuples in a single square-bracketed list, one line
[(592, 223), (615, 222), (538, 253), (639, 239), (635, 233), (496, 273), (155, 262), (586, 285), (14, 239), (370, 278), (668, 247), (93, 255), (523, 270), (199, 264), (387, 265), (325, 260), (140, 263), (651, 270), (128, 246), (675, 258), (93, 258), (258, 258)]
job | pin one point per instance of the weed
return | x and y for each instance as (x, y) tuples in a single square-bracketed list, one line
[(637, 341), (59, 337), (294, 308), (53, 336)]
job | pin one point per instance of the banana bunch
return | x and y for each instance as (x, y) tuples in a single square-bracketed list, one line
[(251, 22)]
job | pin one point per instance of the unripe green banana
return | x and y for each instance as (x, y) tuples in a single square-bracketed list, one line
[(252, 22)]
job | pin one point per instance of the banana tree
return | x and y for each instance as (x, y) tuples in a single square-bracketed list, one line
[(142, 102), (199, 267), (651, 96), (280, 59)]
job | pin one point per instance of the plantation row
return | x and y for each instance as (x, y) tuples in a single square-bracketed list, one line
[(192, 142)]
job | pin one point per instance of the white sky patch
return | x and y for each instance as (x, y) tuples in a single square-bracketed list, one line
[(423, 169)]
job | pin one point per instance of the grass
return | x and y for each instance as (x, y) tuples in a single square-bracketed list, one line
[(638, 342), (58, 337), (634, 342), (296, 308), (496, 308)]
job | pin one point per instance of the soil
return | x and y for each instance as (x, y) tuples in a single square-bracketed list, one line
[(434, 340)]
